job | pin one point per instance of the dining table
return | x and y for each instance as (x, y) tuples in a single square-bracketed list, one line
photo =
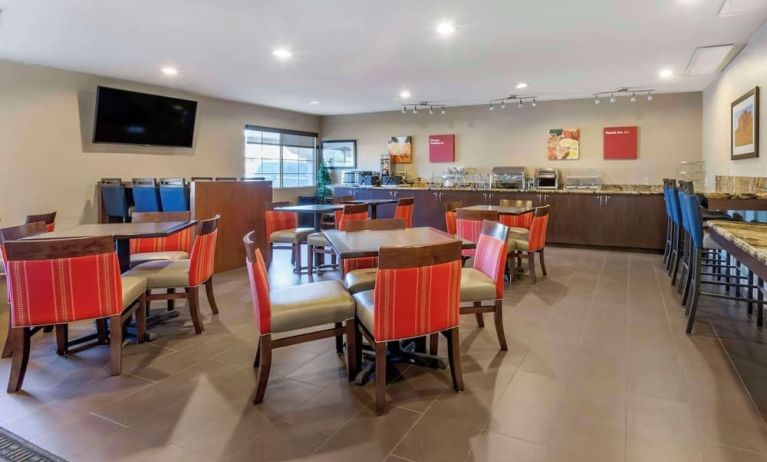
[(366, 244), (501, 209)]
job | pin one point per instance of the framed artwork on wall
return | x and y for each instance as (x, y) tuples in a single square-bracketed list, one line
[(401, 149), (564, 144), (744, 126), (339, 153)]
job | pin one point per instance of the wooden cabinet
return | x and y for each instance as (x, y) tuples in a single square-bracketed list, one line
[(604, 220)]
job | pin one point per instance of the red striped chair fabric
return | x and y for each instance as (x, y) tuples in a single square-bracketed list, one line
[(490, 258), (404, 297), (202, 258), (64, 290)]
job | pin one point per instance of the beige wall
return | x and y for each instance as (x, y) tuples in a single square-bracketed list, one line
[(669, 130), (47, 162), (748, 70)]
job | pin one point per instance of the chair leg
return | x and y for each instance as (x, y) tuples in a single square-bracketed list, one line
[(531, 266), (20, 358), (352, 365), (339, 340), (433, 344), (193, 300), (8, 347), (454, 358), (498, 320), (380, 349), (478, 316), (140, 315), (116, 344), (265, 351), (171, 302), (543, 263), (62, 339), (209, 293)]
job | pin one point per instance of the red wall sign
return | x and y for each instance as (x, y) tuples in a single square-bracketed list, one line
[(441, 148), (621, 142)]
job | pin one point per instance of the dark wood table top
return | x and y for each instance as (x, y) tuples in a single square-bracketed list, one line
[(118, 230), (501, 210), (366, 243)]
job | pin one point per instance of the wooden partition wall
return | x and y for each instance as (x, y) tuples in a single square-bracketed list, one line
[(241, 206)]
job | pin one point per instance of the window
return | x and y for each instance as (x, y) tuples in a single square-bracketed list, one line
[(285, 157)]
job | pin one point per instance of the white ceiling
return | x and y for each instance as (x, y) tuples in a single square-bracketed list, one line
[(357, 55)]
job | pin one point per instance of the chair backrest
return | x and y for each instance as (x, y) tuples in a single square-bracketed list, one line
[(48, 218), (145, 197), (173, 195), (468, 223), (537, 238), (276, 220), (226, 178), (417, 290), (259, 284), (404, 210), (352, 212), (450, 215), (202, 178), (380, 224), (113, 197), (491, 252), (203, 255), (62, 280), (177, 242)]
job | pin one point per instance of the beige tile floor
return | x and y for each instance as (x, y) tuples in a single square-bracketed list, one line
[(598, 369)]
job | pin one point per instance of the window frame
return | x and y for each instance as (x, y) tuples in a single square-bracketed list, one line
[(281, 132)]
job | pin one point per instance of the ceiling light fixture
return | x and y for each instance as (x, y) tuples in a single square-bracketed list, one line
[(282, 53), (666, 73), (521, 85), (445, 29), (404, 94), (169, 70)]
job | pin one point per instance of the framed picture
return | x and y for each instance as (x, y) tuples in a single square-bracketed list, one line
[(744, 128), (339, 153), (401, 149), (564, 144)]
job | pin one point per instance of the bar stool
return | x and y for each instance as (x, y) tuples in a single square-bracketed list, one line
[(48, 218), (404, 210), (114, 199), (417, 293), (450, 208), (284, 310), (534, 243), (174, 195), (145, 197)]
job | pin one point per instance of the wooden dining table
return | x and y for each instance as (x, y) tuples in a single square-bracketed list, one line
[(122, 233)]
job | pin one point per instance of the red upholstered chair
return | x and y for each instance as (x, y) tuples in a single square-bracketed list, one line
[(517, 221), (187, 274), (360, 273), (55, 282), (534, 242), (404, 210), (450, 208), (282, 232), (14, 233), (174, 247), (318, 243), (468, 225), (416, 294), (292, 308), (48, 218), (482, 285)]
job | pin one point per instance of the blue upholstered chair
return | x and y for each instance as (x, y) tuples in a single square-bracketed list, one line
[(174, 195), (145, 195)]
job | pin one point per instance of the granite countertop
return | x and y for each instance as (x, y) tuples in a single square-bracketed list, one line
[(647, 190), (735, 195), (749, 237)]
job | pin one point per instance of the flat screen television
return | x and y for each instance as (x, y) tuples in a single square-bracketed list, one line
[(128, 117)]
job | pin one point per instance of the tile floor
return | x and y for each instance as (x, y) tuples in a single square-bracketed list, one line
[(598, 369)]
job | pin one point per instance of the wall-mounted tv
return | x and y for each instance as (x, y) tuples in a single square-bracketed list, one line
[(127, 117)]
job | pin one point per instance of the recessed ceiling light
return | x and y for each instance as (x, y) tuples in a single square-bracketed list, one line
[(404, 94), (521, 85), (169, 70), (282, 53), (707, 60), (445, 28), (314, 102), (666, 73)]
